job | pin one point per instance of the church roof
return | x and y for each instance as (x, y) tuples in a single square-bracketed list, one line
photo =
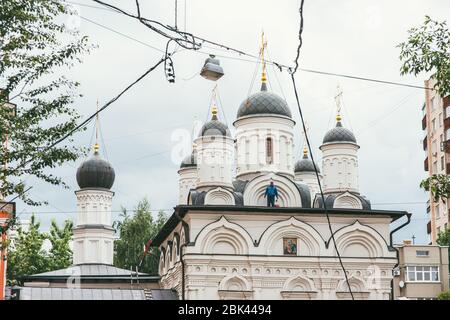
[(214, 127), (189, 161), (181, 210), (339, 134), (305, 165), (39, 293), (331, 197), (95, 172), (264, 102), (92, 271)]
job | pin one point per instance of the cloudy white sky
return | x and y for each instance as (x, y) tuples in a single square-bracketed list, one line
[(347, 36)]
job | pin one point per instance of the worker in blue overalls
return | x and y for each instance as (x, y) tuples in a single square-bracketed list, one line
[(271, 193)]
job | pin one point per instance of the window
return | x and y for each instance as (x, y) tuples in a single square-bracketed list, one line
[(434, 146), (442, 163), (422, 253), (441, 121), (422, 273), (434, 103), (269, 151), (434, 166), (433, 124)]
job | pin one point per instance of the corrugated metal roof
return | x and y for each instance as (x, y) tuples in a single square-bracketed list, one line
[(31, 293), (36, 293), (89, 270)]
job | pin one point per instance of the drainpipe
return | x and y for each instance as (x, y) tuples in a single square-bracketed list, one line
[(408, 215)]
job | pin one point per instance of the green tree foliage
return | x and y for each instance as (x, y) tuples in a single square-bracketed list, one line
[(438, 185), (444, 296), (135, 231), (444, 238), (36, 47), (428, 49), (60, 254), (26, 255)]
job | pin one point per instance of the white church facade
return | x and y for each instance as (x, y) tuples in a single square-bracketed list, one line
[(224, 242)]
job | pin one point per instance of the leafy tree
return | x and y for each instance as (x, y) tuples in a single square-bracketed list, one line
[(135, 231), (35, 46), (444, 296), (438, 185), (27, 257), (60, 254), (428, 49), (444, 238)]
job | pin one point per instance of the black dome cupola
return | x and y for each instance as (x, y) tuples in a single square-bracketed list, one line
[(95, 172), (339, 134), (214, 127)]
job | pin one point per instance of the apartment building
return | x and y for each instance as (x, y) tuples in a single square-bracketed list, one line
[(436, 144), (422, 272)]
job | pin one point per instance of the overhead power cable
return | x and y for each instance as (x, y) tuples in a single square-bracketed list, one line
[(194, 42), (311, 152), (93, 116)]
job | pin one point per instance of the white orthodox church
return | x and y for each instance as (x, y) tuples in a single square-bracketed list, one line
[(223, 242)]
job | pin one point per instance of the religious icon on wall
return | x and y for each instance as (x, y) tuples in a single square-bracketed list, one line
[(290, 246)]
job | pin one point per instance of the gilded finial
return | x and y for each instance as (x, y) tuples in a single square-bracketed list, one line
[(305, 152), (338, 117), (96, 148), (214, 112)]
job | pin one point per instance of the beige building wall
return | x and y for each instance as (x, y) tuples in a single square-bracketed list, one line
[(436, 126), (415, 256)]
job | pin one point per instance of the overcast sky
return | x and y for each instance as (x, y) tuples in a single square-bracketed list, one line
[(348, 36)]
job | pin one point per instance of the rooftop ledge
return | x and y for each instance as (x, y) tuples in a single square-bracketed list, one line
[(181, 210)]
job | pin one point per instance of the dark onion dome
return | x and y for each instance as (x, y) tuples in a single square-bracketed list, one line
[(264, 102), (214, 127), (95, 172), (190, 161), (305, 164), (339, 134)]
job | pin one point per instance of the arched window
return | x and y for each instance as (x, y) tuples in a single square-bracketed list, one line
[(269, 151)]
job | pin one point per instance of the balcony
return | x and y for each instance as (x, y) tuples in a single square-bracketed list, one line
[(446, 101), (425, 164), (447, 122), (424, 122), (445, 146)]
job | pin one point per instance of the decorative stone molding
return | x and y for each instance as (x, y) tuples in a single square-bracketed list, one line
[(219, 196), (223, 236), (289, 195), (347, 200), (292, 228)]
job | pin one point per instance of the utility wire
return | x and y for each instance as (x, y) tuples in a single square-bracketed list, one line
[(90, 118), (225, 48), (311, 153), (300, 40), (320, 188)]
